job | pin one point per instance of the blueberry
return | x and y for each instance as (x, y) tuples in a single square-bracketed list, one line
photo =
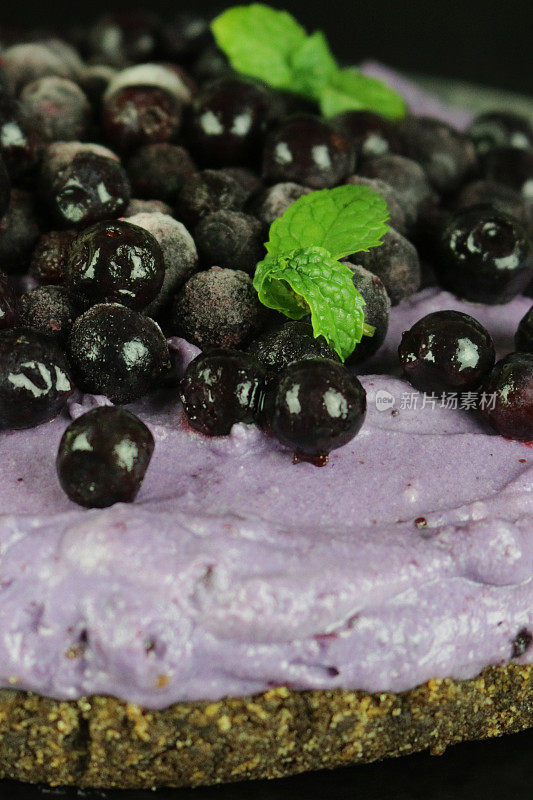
[(50, 256), (89, 189), (49, 310), (498, 195), (20, 146), (103, 457), (401, 216), (447, 156), (56, 108), (115, 262), (117, 352), (230, 239), (484, 255), (208, 191), (35, 381), (500, 129), (9, 313), (5, 189), (211, 64), (446, 350), (184, 36), (511, 382), (249, 180), (275, 200), (406, 177), (511, 166), (136, 206), (218, 308), (227, 123), (19, 231), (314, 406), (221, 388), (26, 62), (94, 80), (524, 334), (293, 341), (376, 311), (396, 263), (119, 39), (158, 171), (307, 150), (372, 134)]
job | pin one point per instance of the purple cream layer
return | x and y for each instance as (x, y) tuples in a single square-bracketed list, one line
[(235, 570)]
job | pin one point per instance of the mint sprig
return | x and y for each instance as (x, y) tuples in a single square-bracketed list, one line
[(302, 273), (272, 46)]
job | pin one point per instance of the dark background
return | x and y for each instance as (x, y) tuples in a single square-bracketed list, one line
[(484, 41)]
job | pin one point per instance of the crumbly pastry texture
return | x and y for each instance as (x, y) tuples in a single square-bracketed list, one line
[(104, 742)]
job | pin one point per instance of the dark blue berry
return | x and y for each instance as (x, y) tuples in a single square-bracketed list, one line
[(49, 310), (35, 381), (134, 116), (524, 334), (230, 239), (314, 406), (511, 382), (484, 255), (274, 201), (401, 215), (406, 177), (307, 150), (208, 191), (56, 108), (293, 341), (445, 351), (117, 352), (227, 123), (158, 171), (500, 129), (19, 231), (376, 311), (511, 166), (220, 388), (447, 156), (497, 195), (20, 146), (184, 36), (103, 457), (50, 257), (119, 39), (396, 263), (115, 262), (372, 134), (218, 308)]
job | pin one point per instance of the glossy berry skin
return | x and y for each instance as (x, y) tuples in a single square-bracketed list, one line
[(9, 315), (103, 457), (511, 380), (208, 191), (230, 239), (221, 388), (50, 256), (5, 189), (49, 310), (500, 129), (484, 255), (217, 308), (372, 134), (446, 351), (512, 166), (376, 310), (227, 124), (139, 115), (305, 149), (119, 39), (315, 406), (294, 341), (89, 189), (158, 171), (524, 334), (117, 352), (446, 155), (115, 262), (35, 381), (184, 36)]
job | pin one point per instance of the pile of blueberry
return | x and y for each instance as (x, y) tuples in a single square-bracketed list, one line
[(139, 176)]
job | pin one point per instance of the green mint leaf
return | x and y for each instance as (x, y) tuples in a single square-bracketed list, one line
[(313, 66), (350, 90), (344, 220), (260, 42), (310, 280)]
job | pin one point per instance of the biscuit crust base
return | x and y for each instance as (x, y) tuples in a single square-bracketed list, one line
[(103, 742)]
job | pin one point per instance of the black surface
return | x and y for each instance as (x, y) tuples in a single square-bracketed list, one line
[(499, 769), (484, 41)]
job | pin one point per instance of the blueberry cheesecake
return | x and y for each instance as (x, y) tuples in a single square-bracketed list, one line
[(266, 406)]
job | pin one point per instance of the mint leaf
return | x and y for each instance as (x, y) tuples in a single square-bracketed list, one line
[(313, 65), (350, 90), (260, 42), (344, 220), (311, 280)]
